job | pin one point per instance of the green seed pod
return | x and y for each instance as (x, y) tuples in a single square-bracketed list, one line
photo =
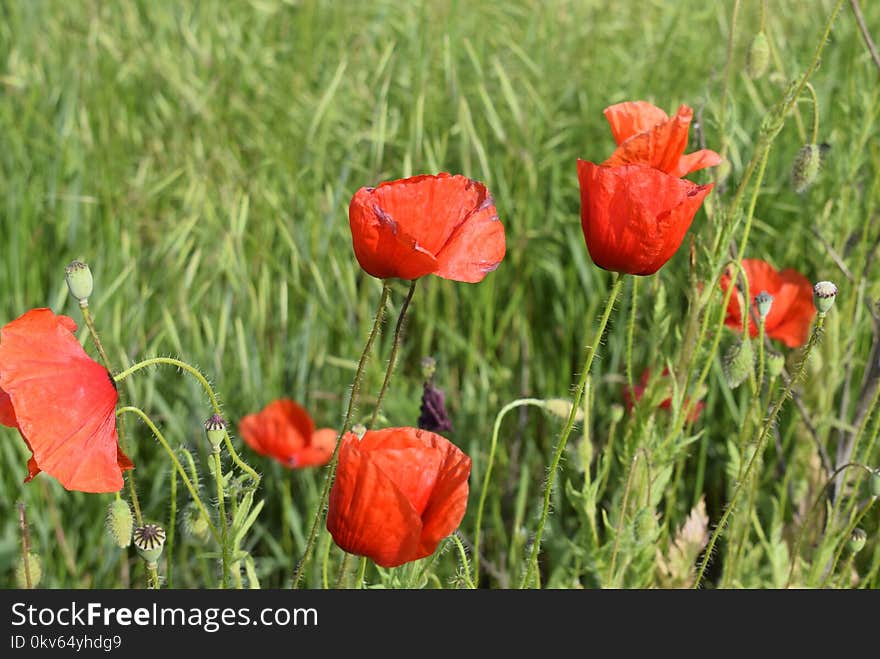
[(149, 540), (764, 302), (215, 427), (120, 523), (857, 541), (34, 568), (79, 281), (738, 363), (775, 364), (616, 413), (824, 294), (806, 167), (758, 56), (561, 407)]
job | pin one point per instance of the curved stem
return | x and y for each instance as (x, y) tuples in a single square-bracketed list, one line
[(486, 476), (759, 445), (812, 90), (846, 534), (557, 456), (465, 568), (398, 332), (87, 316), (180, 470), (331, 471), (224, 523)]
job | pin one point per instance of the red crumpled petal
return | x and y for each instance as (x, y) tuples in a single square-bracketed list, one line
[(633, 117), (64, 402), (635, 217), (444, 225), (283, 430)]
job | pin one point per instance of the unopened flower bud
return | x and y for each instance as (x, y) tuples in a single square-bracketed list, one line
[(79, 281), (561, 407), (764, 302), (120, 523), (806, 167), (215, 427), (34, 570), (195, 524), (616, 412), (857, 541), (824, 294), (739, 363), (758, 56), (775, 364), (429, 367), (149, 540)]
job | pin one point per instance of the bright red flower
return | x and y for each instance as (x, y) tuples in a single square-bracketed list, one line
[(634, 217), (283, 430), (443, 225), (62, 402), (398, 492), (647, 136), (639, 390), (792, 311)]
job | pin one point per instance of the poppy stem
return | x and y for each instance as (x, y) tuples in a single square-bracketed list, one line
[(346, 424), (815, 99), (398, 332), (566, 432), (343, 564), (759, 445), (842, 543), (224, 523), (496, 428), (25, 545), (630, 331), (87, 316), (362, 571), (180, 470), (172, 524)]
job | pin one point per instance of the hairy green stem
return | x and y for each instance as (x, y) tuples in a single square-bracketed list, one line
[(224, 523), (398, 332)]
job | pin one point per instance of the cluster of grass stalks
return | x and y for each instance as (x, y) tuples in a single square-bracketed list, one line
[(201, 156)]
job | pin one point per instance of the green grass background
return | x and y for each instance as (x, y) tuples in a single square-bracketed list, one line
[(201, 156)]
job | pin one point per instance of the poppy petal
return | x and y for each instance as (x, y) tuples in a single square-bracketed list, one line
[(794, 329), (64, 401), (7, 412), (476, 248), (660, 147), (633, 117), (697, 160), (448, 502), (283, 430), (368, 515)]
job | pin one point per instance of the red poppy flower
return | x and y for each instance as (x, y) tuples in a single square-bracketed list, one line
[(443, 225), (634, 217), (792, 311), (647, 136), (639, 390), (284, 430), (62, 402), (398, 492)]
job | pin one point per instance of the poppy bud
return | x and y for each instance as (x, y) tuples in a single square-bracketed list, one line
[(764, 302), (429, 367), (824, 294), (806, 167), (195, 524), (857, 541), (34, 570), (215, 427), (758, 56), (875, 483), (775, 363), (738, 363), (119, 523), (79, 281), (616, 413), (149, 541), (561, 407)]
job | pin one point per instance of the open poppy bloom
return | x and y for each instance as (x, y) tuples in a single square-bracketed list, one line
[(792, 311), (62, 402), (639, 391), (398, 492), (432, 224), (283, 430), (647, 136)]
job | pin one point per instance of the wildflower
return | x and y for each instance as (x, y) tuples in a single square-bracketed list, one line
[(398, 492), (792, 312), (666, 403), (62, 402), (283, 430), (432, 224), (149, 540), (824, 294)]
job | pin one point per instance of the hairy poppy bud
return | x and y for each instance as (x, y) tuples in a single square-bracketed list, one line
[(34, 571), (764, 302), (616, 412), (806, 167), (119, 523), (561, 407), (824, 294), (738, 363), (215, 427), (149, 540), (195, 524), (79, 281), (775, 363), (758, 56), (857, 541)]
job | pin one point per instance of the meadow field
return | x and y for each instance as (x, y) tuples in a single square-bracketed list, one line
[(201, 157)]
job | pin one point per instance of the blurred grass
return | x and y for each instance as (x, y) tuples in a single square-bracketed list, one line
[(200, 156)]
